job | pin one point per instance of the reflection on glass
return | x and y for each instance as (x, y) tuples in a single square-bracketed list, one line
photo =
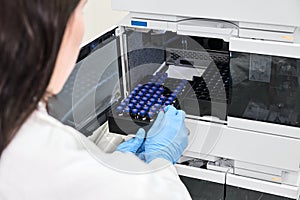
[(266, 88)]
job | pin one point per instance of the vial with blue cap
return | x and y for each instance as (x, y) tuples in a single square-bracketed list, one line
[(134, 113), (133, 101), (138, 106), (144, 90), (142, 103), (123, 104), (171, 99), (146, 108), (139, 86), (155, 96), (153, 109), (161, 89), (144, 99), (173, 95), (162, 97), (151, 115), (148, 96), (137, 98), (130, 96), (120, 110), (151, 92), (127, 111), (167, 103), (141, 93), (154, 88), (142, 115), (130, 106), (149, 104), (159, 101), (152, 100)]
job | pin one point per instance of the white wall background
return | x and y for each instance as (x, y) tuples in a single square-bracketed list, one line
[(99, 17)]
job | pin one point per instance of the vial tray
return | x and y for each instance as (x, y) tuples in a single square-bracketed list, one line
[(141, 107), (210, 93)]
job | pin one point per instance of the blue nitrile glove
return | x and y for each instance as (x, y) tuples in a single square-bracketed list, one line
[(168, 138), (134, 144)]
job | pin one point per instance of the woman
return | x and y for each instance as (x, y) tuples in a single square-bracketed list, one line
[(40, 157)]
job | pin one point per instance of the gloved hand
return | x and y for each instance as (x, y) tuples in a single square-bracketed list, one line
[(134, 144), (167, 138)]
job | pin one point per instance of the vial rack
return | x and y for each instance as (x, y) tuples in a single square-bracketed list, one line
[(141, 107)]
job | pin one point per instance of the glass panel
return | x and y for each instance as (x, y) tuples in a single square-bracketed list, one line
[(92, 86), (265, 88), (164, 68)]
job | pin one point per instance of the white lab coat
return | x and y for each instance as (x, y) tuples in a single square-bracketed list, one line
[(49, 161)]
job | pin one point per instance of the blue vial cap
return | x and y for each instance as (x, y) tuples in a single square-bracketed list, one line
[(149, 104), (145, 99), (123, 104), (130, 105), (138, 98), (127, 101), (151, 91), (127, 110), (167, 103), (161, 89), (152, 100), (144, 90), (143, 113), (147, 86), (153, 109), (142, 103), (134, 111), (134, 101), (150, 84), (141, 93), (138, 106), (119, 108), (133, 93), (162, 97), (130, 96), (159, 101), (155, 96), (139, 86), (171, 99), (174, 95), (146, 108), (154, 88), (148, 96), (150, 114), (158, 93)]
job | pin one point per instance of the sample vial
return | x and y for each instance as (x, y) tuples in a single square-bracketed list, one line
[(152, 100), (145, 99), (138, 107), (127, 111), (119, 109), (142, 103), (123, 104)]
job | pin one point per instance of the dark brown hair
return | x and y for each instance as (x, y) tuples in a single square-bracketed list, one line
[(31, 32)]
